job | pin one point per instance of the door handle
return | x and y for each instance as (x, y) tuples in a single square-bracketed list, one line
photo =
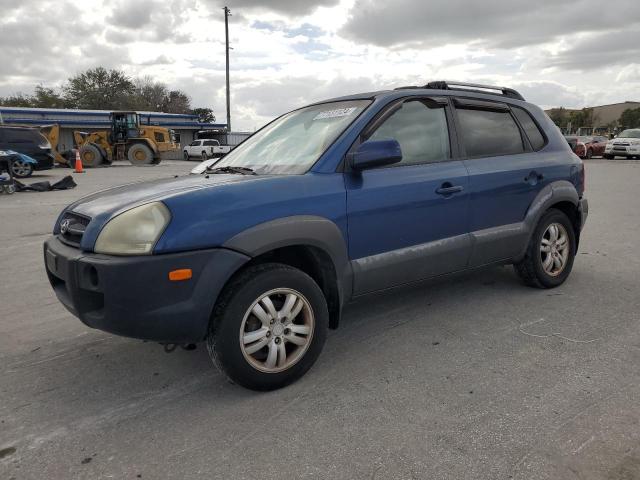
[(447, 189), (534, 177)]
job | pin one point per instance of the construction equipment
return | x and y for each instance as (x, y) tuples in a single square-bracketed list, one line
[(52, 134), (127, 139)]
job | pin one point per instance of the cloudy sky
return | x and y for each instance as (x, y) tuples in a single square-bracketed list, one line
[(570, 53)]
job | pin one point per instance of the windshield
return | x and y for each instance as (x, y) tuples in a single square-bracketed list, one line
[(294, 142), (630, 134)]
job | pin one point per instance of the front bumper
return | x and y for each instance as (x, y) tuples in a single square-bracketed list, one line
[(133, 296)]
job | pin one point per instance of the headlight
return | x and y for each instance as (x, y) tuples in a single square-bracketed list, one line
[(135, 231)]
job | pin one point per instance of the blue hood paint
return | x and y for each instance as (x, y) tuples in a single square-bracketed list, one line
[(205, 212)]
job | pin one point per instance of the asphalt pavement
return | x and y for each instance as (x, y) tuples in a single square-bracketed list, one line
[(473, 377)]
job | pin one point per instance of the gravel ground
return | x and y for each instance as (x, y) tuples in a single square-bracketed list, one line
[(473, 377)]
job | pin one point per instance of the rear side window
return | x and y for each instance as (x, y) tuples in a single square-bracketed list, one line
[(530, 128), (210, 143), (22, 136), (487, 133), (420, 130)]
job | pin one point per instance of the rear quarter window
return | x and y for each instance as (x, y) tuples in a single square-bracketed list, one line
[(531, 129), (488, 133)]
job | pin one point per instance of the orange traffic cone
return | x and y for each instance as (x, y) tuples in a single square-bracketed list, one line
[(78, 168)]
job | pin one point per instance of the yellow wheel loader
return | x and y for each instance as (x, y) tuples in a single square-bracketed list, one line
[(127, 139)]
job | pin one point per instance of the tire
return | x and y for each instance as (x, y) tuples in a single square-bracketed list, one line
[(185, 155), (233, 318), (204, 156), (21, 169), (139, 154), (90, 156), (589, 154), (608, 157), (532, 268)]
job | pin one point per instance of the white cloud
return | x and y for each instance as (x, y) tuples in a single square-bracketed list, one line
[(287, 53)]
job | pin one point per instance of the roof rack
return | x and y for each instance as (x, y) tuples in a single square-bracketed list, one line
[(474, 87)]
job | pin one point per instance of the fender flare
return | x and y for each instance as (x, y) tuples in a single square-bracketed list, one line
[(298, 230), (556, 192)]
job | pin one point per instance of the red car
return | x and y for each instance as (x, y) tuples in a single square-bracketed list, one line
[(587, 147)]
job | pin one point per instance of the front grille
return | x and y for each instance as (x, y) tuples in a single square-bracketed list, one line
[(72, 227)]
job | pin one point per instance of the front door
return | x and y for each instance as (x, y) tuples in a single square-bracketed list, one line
[(409, 221)]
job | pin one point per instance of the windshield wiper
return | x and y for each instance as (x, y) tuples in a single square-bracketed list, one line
[(230, 169)]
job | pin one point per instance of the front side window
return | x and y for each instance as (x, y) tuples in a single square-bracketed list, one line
[(294, 142), (487, 133), (421, 130)]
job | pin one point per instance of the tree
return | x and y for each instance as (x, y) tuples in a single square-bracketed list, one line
[(16, 100), (99, 89), (205, 115), (630, 118), (559, 116), (177, 102), (45, 97), (102, 89), (148, 95)]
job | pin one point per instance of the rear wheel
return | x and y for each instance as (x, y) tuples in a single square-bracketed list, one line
[(185, 155), (140, 154), (204, 156), (91, 156), (551, 251), (608, 157), (20, 168), (589, 154), (268, 327)]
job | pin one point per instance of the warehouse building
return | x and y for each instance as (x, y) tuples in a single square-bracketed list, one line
[(186, 127), (605, 118)]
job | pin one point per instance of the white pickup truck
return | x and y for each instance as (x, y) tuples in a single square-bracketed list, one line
[(205, 149)]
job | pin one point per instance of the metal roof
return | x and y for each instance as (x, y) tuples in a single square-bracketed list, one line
[(97, 118)]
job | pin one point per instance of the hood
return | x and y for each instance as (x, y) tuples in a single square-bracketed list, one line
[(625, 141), (101, 206)]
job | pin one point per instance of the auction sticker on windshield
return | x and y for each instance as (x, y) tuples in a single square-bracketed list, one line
[(338, 112)]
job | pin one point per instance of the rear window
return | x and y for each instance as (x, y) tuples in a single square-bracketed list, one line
[(487, 133), (16, 135), (536, 138)]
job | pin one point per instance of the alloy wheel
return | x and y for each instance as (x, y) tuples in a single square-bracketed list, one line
[(554, 249), (276, 330)]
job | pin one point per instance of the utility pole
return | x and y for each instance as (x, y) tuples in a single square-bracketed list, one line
[(227, 14)]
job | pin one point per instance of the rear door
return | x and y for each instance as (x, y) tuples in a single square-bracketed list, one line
[(409, 221), (506, 173)]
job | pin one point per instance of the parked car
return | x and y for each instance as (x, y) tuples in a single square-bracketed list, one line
[(587, 146), (205, 149), (327, 203), (28, 141), (627, 145)]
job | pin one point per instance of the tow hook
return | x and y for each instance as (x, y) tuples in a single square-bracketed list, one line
[(170, 347)]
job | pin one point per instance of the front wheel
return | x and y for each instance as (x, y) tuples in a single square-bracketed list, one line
[(589, 154), (550, 253), (185, 155), (268, 327), (20, 168), (204, 156)]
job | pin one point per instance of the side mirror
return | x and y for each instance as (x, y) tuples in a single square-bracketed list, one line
[(375, 153)]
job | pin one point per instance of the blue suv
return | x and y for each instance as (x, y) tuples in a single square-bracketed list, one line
[(339, 199)]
